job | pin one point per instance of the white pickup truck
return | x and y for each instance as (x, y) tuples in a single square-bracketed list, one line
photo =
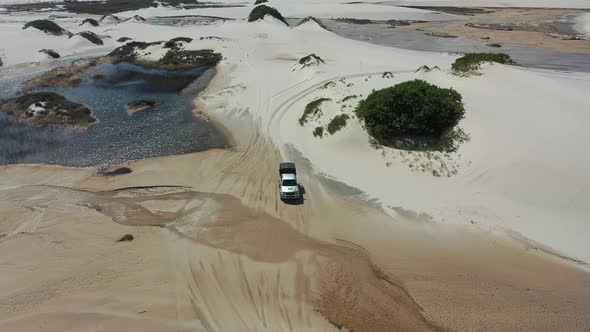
[(288, 185)]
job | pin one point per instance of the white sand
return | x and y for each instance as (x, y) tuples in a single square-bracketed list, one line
[(302, 9)]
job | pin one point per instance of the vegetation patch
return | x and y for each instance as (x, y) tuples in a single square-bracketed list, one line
[(318, 132), (91, 37), (210, 38), (130, 49), (311, 60), (413, 115), (47, 26), (313, 19), (90, 21), (353, 20), (402, 23), (312, 110), (257, 2), (177, 42), (184, 58), (347, 98), (470, 63), (67, 76), (51, 53), (328, 85), (337, 123), (48, 108), (110, 18), (260, 11), (123, 39)]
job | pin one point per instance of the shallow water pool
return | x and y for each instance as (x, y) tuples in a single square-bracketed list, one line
[(169, 128)]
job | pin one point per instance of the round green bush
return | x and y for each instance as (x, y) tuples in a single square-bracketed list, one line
[(260, 11), (410, 110)]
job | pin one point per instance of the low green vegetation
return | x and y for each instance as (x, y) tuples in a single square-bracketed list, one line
[(260, 11), (91, 37), (347, 98), (90, 21), (470, 63), (337, 123), (129, 50), (413, 115), (176, 57), (328, 85), (311, 60), (176, 42), (123, 39), (51, 109), (353, 20), (52, 53), (46, 26), (1, 63), (312, 110), (318, 132), (257, 2)]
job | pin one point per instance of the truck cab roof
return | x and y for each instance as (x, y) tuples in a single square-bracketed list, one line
[(288, 176)]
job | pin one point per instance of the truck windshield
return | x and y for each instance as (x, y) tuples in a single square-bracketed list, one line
[(289, 183)]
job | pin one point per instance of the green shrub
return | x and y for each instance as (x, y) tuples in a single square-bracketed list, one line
[(347, 98), (260, 11), (318, 132), (197, 58), (257, 2), (411, 114), (53, 54), (337, 123), (353, 20), (129, 49), (312, 110), (173, 43), (471, 62), (46, 26), (1, 63), (123, 39), (328, 85), (91, 37), (92, 22)]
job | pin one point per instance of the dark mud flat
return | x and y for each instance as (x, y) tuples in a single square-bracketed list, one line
[(169, 128)]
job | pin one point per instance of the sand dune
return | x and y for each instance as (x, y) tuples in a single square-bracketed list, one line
[(497, 243)]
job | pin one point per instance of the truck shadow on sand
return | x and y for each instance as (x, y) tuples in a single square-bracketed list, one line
[(298, 201)]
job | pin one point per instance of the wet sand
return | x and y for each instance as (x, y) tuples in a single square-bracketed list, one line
[(529, 27)]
